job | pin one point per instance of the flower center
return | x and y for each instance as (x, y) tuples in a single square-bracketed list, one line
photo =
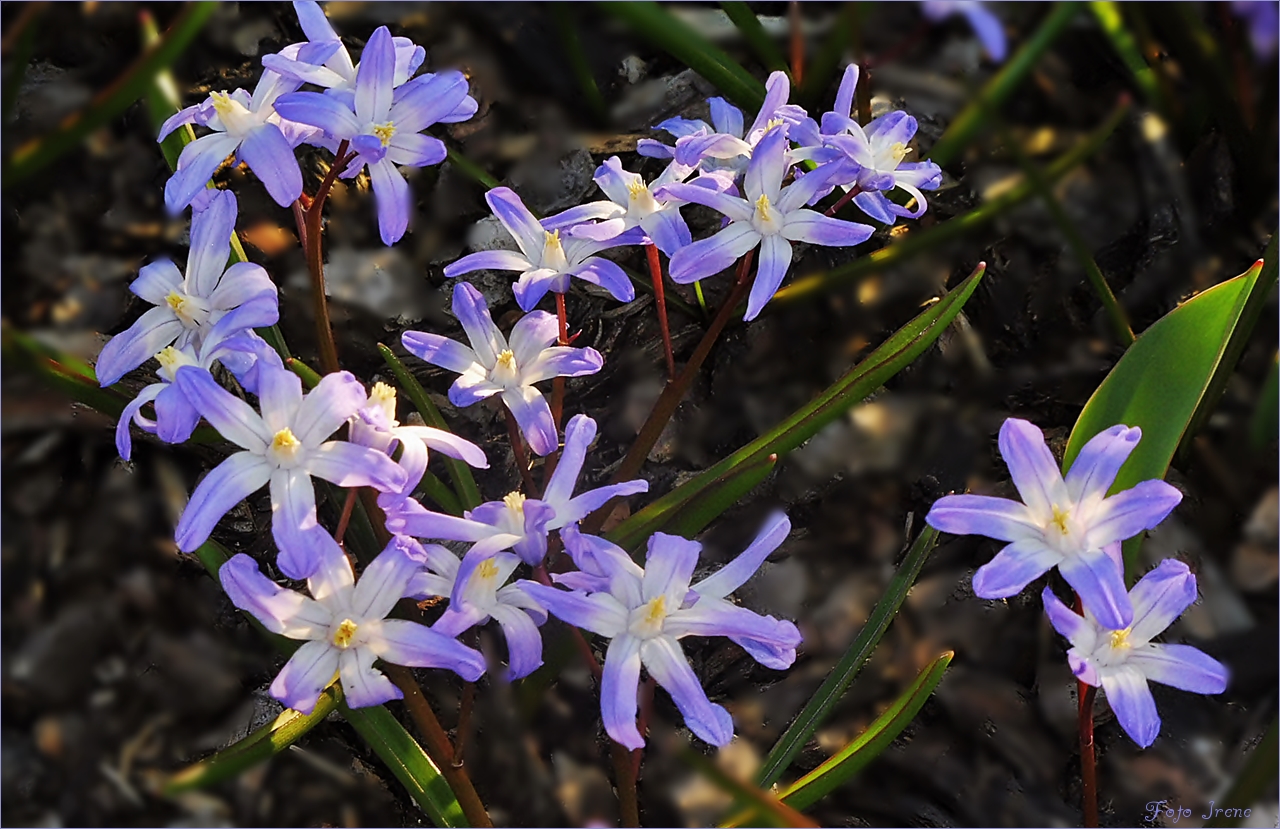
[(765, 219), (171, 359), (1059, 520), (646, 620), (898, 152), (1120, 640), (383, 132), (344, 634), (384, 396), (232, 113), (182, 306), (552, 251), (285, 447), (515, 505), (505, 372), (488, 570)]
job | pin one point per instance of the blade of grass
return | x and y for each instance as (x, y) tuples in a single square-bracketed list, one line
[(972, 118), (1122, 40), (464, 484), (753, 33), (819, 283), (1263, 424), (39, 153), (820, 705), (661, 28), (472, 170)]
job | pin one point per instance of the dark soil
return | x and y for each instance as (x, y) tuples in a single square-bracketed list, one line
[(123, 661)]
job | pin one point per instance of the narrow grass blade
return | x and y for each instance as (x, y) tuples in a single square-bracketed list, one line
[(309, 376), (764, 803), (1263, 424), (463, 481), (472, 170), (39, 153), (813, 285), (819, 706), (1161, 381), (438, 491), (259, 746), (661, 28), (972, 118), (850, 760), (754, 34), (408, 762), (891, 357), (1111, 20)]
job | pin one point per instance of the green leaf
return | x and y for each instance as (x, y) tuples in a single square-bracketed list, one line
[(1162, 379), (973, 117), (918, 241), (819, 73), (754, 34), (408, 762), (463, 482), (472, 170), (39, 153), (820, 705), (851, 759), (676, 38), (891, 357), (1122, 40), (309, 376), (261, 745), (1263, 424)]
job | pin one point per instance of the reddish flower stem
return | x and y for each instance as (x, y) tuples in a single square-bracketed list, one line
[(797, 45), (659, 297), (845, 199), (348, 507), (1088, 761), (522, 457), (312, 242)]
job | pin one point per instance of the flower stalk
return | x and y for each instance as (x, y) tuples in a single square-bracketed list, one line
[(659, 298), (309, 231)]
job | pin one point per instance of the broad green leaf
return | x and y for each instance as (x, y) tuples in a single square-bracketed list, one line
[(850, 760), (1251, 786), (892, 356), (1161, 380), (408, 762), (261, 745), (39, 153), (463, 481), (918, 241), (755, 35), (676, 38), (973, 117), (820, 705)]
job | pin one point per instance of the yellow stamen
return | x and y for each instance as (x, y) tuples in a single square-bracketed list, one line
[(382, 394), (762, 206), (899, 151), (284, 441), (657, 611), (170, 359), (176, 301), (552, 240), (384, 132), (221, 102), (487, 570), (345, 633), (1060, 520), (1120, 639), (514, 501), (507, 359)]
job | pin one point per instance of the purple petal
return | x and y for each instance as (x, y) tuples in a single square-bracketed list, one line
[(668, 230), (1067, 622), (471, 388), (308, 672), (156, 281), (414, 150), (736, 573), (231, 416), (1100, 584), (323, 111), (429, 100), (279, 398), (129, 349), (293, 523), (588, 502), (271, 158), (1161, 596), (817, 229), (228, 484), (124, 443), (532, 335), (472, 312), (332, 575), (767, 168), (211, 231), (376, 76), (619, 687), (844, 95), (739, 210), (244, 282), (335, 398), (516, 218), (988, 29), (607, 275), (313, 21), (667, 664), (895, 127), (650, 148), (1181, 666), (876, 205), (1013, 568), (391, 192), (599, 612), (383, 582), (716, 617), (1095, 468), (533, 413), (563, 361), (402, 642), (524, 643), (1083, 668), (412, 519), (777, 88), (1031, 465), (196, 165), (286, 612), (1131, 700), (447, 443), (667, 568), (579, 432), (725, 117), (362, 685), (494, 260), (533, 285), (369, 149), (438, 351), (709, 256), (349, 465), (775, 260), (176, 418), (777, 657), (1128, 513), (998, 518), (190, 115)]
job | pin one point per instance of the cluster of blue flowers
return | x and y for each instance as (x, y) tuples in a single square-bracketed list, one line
[(1071, 523)]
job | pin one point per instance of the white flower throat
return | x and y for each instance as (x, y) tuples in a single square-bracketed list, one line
[(553, 255), (191, 311)]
